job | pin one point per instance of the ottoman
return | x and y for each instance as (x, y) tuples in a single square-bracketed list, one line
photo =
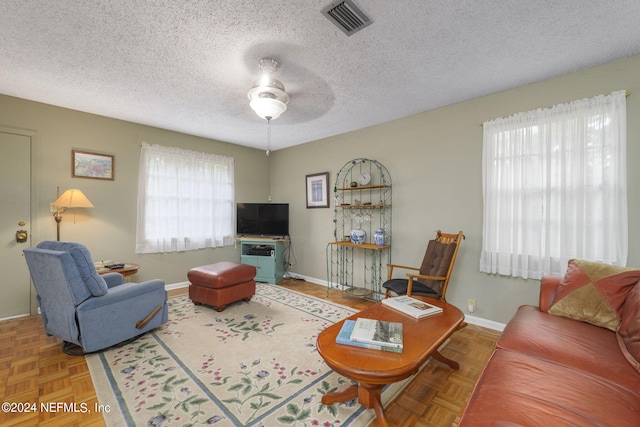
[(222, 283)]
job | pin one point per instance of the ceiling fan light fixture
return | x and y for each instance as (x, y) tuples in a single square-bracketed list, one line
[(268, 82), (267, 97), (268, 108)]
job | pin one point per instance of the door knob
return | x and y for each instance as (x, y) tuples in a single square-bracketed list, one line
[(21, 236)]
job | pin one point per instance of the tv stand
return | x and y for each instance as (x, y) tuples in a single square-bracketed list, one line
[(269, 263)]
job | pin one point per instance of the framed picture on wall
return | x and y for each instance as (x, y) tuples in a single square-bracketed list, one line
[(318, 190), (91, 165)]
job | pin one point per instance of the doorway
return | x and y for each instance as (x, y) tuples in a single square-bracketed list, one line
[(15, 223)]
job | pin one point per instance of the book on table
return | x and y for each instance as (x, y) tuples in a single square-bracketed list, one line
[(412, 306), (344, 337), (379, 332)]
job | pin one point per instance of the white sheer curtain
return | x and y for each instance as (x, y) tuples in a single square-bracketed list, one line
[(185, 200), (554, 186)]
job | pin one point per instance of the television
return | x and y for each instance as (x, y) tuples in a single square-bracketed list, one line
[(262, 219)]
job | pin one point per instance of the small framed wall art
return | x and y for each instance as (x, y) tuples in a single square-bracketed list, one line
[(318, 190), (91, 165)]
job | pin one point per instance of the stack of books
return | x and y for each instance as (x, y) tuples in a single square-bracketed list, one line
[(372, 334), (411, 306)]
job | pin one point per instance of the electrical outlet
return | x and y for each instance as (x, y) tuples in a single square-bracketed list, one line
[(471, 305), (52, 209)]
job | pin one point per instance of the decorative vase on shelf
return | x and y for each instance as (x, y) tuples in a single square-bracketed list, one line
[(379, 237), (358, 236)]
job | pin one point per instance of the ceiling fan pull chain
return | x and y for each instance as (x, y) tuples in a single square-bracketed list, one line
[(268, 136)]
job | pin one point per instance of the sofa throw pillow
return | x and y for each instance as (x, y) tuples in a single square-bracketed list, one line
[(629, 331), (594, 292)]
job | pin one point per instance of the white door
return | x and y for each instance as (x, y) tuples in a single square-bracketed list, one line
[(15, 216)]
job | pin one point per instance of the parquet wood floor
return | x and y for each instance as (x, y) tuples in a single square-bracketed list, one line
[(34, 371), (436, 396)]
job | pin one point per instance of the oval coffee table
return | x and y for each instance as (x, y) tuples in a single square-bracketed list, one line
[(373, 369)]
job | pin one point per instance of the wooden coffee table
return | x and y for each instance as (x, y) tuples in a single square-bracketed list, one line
[(373, 369)]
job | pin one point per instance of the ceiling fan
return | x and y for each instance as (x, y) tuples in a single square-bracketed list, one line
[(267, 97)]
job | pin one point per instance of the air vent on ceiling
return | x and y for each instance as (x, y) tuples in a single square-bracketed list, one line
[(346, 16)]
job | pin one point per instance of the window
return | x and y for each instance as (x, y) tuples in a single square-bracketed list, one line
[(185, 200), (554, 188)]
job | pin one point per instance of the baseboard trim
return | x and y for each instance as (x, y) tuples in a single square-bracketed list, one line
[(296, 276), (17, 316), (485, 323), (179, 285)]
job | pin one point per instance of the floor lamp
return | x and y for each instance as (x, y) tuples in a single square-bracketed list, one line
[(69, 199)]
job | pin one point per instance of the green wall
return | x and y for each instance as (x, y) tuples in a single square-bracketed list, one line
[(434, 159), (109, 228)]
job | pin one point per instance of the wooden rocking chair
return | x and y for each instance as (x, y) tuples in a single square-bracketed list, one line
[(432, 278)]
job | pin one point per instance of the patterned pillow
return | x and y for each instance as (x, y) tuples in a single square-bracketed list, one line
[(593, 292)]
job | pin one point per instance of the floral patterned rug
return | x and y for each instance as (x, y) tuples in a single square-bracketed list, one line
[(254, 364)]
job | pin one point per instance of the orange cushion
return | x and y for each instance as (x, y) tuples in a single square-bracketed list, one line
[(221, 275), (594, 292)]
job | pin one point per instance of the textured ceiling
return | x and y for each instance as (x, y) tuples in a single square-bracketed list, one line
[(187, 65)]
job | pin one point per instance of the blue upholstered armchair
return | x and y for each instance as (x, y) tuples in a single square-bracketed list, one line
[(84, 308)]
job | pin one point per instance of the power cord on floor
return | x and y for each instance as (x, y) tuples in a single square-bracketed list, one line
[(287, 256)]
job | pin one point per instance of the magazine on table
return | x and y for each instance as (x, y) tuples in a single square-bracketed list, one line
[(344, 337), (380, 332), (411, 306)]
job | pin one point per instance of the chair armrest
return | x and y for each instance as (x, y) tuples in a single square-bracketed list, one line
[(402, 266), (113, 279), (126, 291), (548, 287), (421, 276), (116, 316), (392, 266)]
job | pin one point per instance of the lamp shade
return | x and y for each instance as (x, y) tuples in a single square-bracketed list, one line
[(72, 199)]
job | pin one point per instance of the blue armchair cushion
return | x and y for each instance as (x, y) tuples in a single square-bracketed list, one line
[(82, 258), (57, 267)]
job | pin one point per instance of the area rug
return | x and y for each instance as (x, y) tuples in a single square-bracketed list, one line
[(254, 364)]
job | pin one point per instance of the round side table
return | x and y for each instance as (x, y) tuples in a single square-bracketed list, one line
[(129, 269)]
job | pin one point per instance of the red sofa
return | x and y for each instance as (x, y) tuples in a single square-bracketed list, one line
[(552, 370)]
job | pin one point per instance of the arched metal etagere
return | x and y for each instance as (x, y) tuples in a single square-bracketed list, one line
[(362, 201)]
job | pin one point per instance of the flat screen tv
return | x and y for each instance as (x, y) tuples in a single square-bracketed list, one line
[(262, 219)]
